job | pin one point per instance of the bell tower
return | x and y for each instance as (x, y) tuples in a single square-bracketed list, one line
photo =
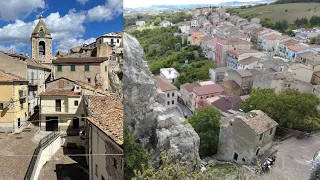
[(41, 43)]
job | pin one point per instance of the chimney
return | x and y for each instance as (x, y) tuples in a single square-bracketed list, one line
[(21, 53), (12, 50), (27, 54)]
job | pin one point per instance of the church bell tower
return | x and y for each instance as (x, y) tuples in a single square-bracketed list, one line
[(41, 43)]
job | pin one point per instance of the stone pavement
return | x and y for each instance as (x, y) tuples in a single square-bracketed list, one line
[(63, 167), (294, 159), (15, 153)]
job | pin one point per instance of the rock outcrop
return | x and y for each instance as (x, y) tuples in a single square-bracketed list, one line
[(315, 169), (164, 130)]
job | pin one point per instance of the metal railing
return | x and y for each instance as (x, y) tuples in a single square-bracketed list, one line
[(47, 140), (58, 109)]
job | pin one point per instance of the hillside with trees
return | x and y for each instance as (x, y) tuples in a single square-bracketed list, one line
[(295, 1), (164, 50)]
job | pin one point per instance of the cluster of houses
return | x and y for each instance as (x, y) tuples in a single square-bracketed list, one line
[(69, 92), (248, 56)]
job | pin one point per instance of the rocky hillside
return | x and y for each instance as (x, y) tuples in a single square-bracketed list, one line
[(153, 126)]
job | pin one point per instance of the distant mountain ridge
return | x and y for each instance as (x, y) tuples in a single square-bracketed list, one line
[(192, 6)]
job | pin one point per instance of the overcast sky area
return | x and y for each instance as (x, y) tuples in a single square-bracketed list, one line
[(146, 3)]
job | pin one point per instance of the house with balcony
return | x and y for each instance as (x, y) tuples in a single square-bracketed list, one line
[(170, 92), (104, 135), (113, 39), (234, 57), (201, 93), (283, 46), (186, 93), (296, 49), (223, 46), (244, 78), (13, 102), (245, 137), (33, 71), (268, 43), (217, 75), (91, 70), (170, 74), (310, 59), (248, 63)]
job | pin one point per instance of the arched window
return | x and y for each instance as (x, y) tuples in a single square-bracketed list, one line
[(41, 33), (42, 48)]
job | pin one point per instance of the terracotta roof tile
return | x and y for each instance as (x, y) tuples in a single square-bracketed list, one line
[(230, 84), (272, 37), (226, 103), (189, 87), (298, 47), (80, 60), (239, 52), (106, 112), (8, 77), (163, 84), (258, 121), (208, 89), (59, 92), (244, 73)]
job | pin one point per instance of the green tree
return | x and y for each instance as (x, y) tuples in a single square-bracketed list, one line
[(170, 170), (206, 123), (157, 21), (135, 157), (291, 109)]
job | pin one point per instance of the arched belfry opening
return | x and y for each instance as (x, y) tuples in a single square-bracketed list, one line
[(42, 48)]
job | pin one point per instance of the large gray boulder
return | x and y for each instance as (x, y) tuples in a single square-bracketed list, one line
[(164, 130)]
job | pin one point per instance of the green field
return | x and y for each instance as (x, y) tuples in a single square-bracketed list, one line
[(277, 12)]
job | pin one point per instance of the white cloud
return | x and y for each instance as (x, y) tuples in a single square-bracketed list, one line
[(83, 2), (15, 9), (110, 10), (146, 3), (66, 44), (9, 48)]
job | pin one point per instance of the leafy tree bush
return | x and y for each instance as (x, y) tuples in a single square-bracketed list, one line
[(206, 123), (291, 109), (135, 156)]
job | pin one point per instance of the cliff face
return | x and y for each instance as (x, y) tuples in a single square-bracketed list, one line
[(145, 115), (115, 81), (315, 169)]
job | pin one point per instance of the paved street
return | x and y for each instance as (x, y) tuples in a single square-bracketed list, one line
[(185, 109), (63, 167), (14, 151), (294, 159)]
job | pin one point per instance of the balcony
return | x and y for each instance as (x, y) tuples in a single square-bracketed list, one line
[(58, 109), (22, 94), (33, 82)]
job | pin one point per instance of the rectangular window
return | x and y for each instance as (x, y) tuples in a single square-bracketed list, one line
[(168, 103), (260, 137), (173, 94), (89, 80), (76, 103), (21, 104), (59, 68), (168, 95), (172, 101), (73, 67), (96, 170), (271, 131), (1, 106), (118, 40), (105, 68), (86, 67), (115, 163)]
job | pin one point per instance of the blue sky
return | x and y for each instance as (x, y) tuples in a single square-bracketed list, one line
[(70, 22)]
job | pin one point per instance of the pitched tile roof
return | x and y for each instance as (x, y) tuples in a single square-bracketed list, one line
[(163, 84), (272, 37), (258, 121), (226, 103), (8, 77), (298, 66), (239, 52), (208, 89), (289, 42), (106, 112), (243, 73), (189, 87), (298, 47), (249, 60), (233, 42), (230, 84), (310, 56), (79, 60), (59, 92)]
